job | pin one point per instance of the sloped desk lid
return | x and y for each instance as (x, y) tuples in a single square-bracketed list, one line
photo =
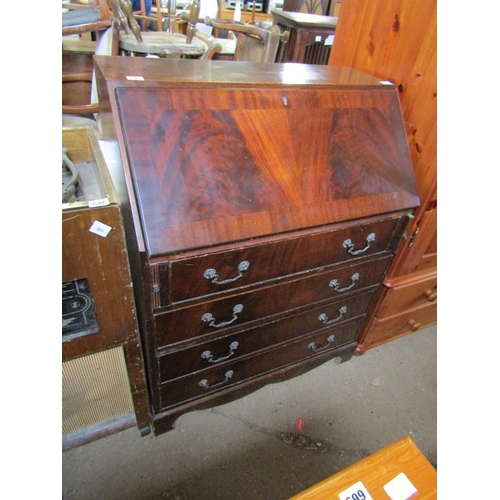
[(222, 151)]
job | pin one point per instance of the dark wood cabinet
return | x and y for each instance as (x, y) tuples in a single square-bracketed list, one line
[(311, 36), (265, 208)]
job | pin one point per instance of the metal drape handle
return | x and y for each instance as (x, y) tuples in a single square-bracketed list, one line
[(349, 244), (313, 347), (213, 275), (210, 358), (206, 385), (208, 317), (324, 318), (335, 284)]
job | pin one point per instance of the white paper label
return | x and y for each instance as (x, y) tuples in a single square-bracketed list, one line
[(135, 78), (400, 488), (355, 492), (98, 203), (100, 228)]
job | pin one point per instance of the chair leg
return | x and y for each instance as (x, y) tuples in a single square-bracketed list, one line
[(159, 16)]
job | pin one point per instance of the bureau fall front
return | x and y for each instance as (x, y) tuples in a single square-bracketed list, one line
[(264, 205)]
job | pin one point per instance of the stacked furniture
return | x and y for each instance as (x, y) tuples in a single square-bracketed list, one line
[(257, 251)]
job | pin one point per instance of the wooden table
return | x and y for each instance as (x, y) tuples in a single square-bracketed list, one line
[(401, 460)]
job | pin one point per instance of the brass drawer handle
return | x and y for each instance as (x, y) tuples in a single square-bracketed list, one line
[(213, 275), (206, 385), (208, 317), (349, 244), (324, 318), (335, 284), (313, 347), (210, 358), (431, 295)]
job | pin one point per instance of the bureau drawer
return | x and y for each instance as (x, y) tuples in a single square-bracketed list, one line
[(236, 311), (209, 381), (232, 347), (384, 330), (218, 272), (408, 294)]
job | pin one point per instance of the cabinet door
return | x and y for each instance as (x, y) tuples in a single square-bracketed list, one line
[(421, 243), (405, 53)]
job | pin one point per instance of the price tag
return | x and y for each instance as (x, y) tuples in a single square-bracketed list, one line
[(100, 229), (400, 488), (98, 203), (355, 492)]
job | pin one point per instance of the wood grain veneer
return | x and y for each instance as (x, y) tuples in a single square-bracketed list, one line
[(252, 188)]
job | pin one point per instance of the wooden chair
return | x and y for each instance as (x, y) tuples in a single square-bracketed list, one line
[(79, 17), (253, 43), (80, 105), (154, 21), (123, 13), (90, 16), (167, 44)]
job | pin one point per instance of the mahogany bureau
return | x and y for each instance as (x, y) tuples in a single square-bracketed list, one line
[(265, 205)]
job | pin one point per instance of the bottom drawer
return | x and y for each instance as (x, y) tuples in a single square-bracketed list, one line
[(163, 421), (209, 381), (384, 330)]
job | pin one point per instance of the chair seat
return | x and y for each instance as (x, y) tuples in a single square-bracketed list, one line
[(162, 44), (81, 16)]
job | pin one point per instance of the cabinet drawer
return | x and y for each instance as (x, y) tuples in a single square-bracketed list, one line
[(232, 347), (235, 311), (384, 330), (218, 272), (210, 381), (408, 294)]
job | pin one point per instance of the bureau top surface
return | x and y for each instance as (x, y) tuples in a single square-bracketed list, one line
[(220, 153), (153, 72)]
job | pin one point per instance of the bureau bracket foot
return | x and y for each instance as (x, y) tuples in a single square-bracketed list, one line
[(145, 431)]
